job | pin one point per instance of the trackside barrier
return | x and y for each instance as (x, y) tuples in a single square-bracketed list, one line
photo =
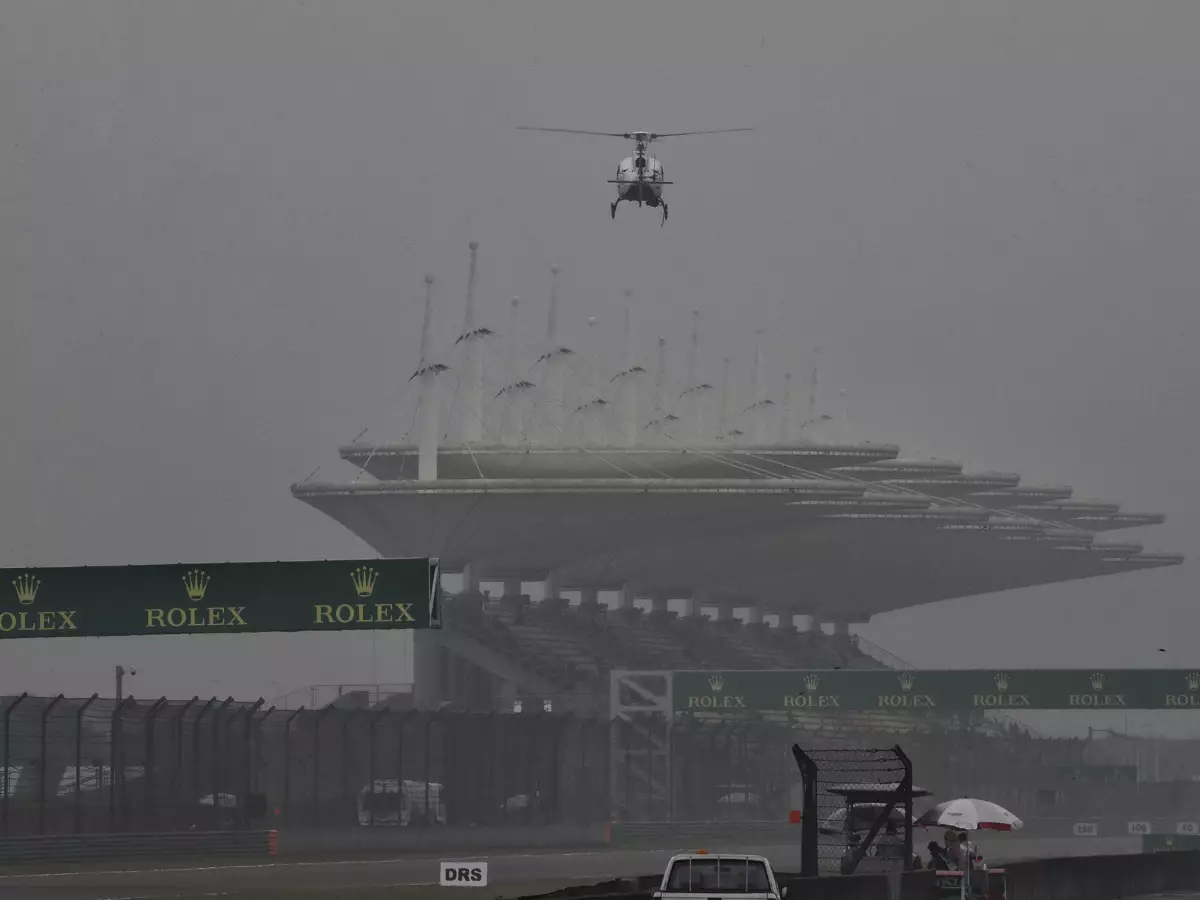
[(438, 840), (775, 833), (1068, 878), (86, 847), (894, 886), (1104, 877), (669, 834)]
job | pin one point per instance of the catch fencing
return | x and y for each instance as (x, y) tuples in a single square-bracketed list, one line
[(91, 765), (75, 766)]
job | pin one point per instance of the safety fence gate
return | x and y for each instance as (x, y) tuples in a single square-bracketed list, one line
[(857, 810)]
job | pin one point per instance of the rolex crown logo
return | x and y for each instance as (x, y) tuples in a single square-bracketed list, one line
[(27, 587), (1001, 681), (195, 582), (907, 680), (364, 579), (1193, 681), (1097, 681), (811, 682), (716, 682)]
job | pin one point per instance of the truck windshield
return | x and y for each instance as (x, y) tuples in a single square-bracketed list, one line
[(717, 875)]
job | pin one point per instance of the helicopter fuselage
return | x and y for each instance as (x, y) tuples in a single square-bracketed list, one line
[(640, 183)]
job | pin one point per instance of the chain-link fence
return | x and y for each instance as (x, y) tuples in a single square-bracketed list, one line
[(93, 765)]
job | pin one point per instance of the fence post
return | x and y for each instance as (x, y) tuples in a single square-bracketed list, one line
[(79, 762), (178, 775), (148, 725), (197, 788), (287, 764), (7, 729), (401, 731), (243, 809), (317, 763), (375, 720), (906, 786), (505, 757), (216, 755), (115, 758), (347, 716), (809, 863), (46, 710), (429, 765), (253, 759)]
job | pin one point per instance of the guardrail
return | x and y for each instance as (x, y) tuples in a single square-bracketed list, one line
[(68, 848)]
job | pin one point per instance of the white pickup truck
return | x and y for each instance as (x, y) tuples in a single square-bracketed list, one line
[(719, 876)]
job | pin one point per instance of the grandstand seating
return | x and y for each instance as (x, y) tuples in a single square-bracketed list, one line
[(576, 645)]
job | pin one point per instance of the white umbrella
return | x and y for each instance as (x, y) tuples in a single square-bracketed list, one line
[(969, 814)]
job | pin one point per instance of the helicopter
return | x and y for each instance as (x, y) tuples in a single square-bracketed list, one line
[(640, 178)]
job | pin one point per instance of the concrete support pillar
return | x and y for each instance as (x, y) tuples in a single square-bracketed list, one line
[(724, 611), (658, 603), (512, 587), (507, 696), (470, 579), (841, 627), (589, 595), (626, 598), (754, 615), (428, 689), (690, 607), (550, 586)]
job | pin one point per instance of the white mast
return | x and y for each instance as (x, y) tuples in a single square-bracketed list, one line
[(472, 390), (726, 400), (513, 415), (596, 374), (787, 432), (697, 391), (758, 409), (760, 392), (815, 423), (627, 379), (553, 359), (660, 418), (427, 400)]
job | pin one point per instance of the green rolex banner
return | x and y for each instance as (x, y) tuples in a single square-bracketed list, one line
[(1166, 843), (971, 690), (220, 598)]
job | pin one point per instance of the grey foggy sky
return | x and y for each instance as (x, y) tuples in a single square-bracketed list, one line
[(215, 216)]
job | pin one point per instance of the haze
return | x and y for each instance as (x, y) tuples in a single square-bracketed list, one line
[(215, 217)]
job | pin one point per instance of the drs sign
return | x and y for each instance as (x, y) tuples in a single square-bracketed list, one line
[(463, 874)]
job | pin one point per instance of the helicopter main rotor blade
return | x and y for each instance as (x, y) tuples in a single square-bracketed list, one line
[(656, 137), (575, 131)]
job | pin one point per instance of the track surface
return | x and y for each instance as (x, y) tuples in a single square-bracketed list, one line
[(149, 882)]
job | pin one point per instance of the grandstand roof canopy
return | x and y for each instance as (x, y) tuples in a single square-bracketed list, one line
[(559, 462), (822, 544)]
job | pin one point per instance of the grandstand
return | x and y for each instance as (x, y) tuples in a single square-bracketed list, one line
[(672, 500)]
